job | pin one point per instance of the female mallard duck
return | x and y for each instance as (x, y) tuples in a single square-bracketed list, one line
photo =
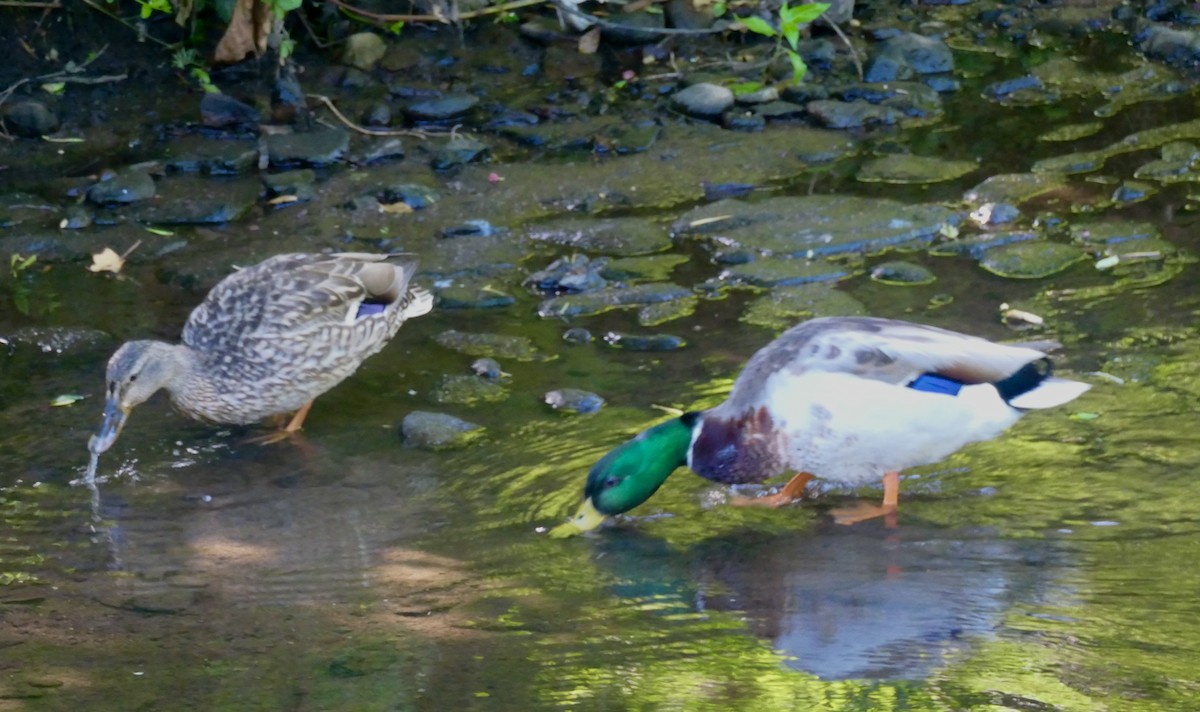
[(268, 339), (843, 398)]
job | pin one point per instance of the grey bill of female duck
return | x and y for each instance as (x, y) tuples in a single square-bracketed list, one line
[(267, 340)]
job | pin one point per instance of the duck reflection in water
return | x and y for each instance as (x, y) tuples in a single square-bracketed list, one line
[(844, 603)]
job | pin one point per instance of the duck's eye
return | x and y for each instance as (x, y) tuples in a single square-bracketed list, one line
[(611, 482), (133, 378)]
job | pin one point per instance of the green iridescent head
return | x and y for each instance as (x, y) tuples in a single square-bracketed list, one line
[(633, 471)]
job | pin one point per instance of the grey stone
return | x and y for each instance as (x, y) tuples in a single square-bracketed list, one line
[(703, 100)]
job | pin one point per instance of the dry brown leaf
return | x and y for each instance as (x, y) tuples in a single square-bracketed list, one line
[(400, 208), (589, 41), (247, 32), (283, 200), (107, 260)]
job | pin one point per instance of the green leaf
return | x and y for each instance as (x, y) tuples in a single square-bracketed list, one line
[(1084, 417), (799, 68), (66, 399), (745, 88), (282, 6), (791, 33), (54, 88), (158, 231), (804, 14), (758, 25), (719, 9)]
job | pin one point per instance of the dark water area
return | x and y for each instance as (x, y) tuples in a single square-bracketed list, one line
[(1049, 569)]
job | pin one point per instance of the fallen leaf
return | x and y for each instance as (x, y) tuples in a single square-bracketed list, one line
[(66, 399), (156, 231), (283, 200), (1084, 417), (400, 208), (54, 88), (247, 32), (107, 260), (589, 41)]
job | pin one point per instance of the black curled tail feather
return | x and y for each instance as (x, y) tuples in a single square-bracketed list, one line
[(1027, 378)]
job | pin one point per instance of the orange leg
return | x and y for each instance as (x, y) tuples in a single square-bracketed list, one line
[(793, 491), (862, 512), (286, 431)]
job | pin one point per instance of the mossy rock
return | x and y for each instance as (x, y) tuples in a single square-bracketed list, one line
[(1031, 260)]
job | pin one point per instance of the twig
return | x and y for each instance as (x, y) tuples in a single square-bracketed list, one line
[(131, 26), (418, 133), (382, 17), (56, 5), (64, 75), (570, 10), (853, 52)]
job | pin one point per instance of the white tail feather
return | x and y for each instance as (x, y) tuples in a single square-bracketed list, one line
[(420, 302), (1050, 393)]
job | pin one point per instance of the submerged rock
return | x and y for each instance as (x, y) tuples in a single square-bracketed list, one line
[(488, 368), (468, 390), (438, 431), (907, 169), (441, 108), (621, 237), (191, 200), (662, 312), (577, 335), (571, 305), (517, 348), (814, 225), (779, 272), (363, 50), (852, 114), (1031, 260), (193, 154), (644, 342), (786, 306)]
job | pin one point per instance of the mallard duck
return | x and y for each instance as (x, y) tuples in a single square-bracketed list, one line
[(268, 339), (849, 399)]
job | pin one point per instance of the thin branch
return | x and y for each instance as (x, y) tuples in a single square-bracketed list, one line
[(418, 133), (569, 9), (853, 52), (130, 25), (382, 17), (56, 5)]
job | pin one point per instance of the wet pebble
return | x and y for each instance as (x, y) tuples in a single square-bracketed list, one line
[(438, 431), (644, 342), (572, 274), (377, 114), (310, 148), (417, 197), (460, 151), (851, 114), (488, 368), (703, 100), (224, 111), (571, 305), (363, 50), (902, 274), (126, 186), (302, 184), (907, 55), (75, 217), (469, 228), (574, 400), (29, 118), (577, 335), (441, 108)]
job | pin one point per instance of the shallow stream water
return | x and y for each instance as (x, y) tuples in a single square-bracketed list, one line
[(1051, 569)]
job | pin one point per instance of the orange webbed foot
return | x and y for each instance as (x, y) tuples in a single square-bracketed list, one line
[(793, 491)]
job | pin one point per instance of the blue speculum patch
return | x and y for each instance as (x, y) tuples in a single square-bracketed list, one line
[(933, 383), (369, 309)]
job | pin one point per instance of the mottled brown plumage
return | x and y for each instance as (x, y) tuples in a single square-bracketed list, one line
[(269, 338)]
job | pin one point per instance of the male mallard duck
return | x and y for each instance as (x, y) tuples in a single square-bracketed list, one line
[(268, 339), (843, 398)]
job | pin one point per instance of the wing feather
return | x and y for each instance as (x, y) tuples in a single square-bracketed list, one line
[(879, 349)]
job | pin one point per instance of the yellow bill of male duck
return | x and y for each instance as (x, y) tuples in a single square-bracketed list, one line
[(847, 399), (267, 340)]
